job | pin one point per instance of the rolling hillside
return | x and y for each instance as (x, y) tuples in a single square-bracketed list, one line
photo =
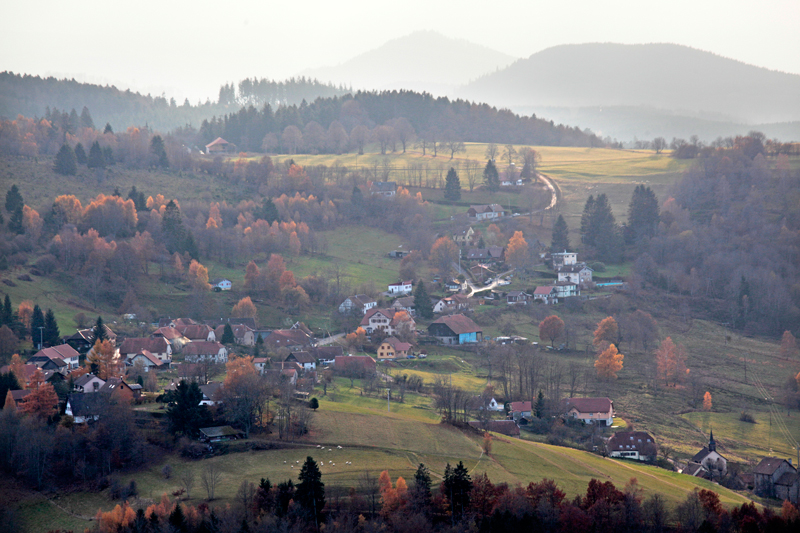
[(662, 79), (422, 61)]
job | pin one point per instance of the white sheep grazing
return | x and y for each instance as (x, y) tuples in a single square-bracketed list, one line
[(284, 462)]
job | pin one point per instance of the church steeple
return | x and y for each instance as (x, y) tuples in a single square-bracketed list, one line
[(712, 444)]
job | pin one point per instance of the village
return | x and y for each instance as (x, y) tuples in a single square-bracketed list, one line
[(295, 362)]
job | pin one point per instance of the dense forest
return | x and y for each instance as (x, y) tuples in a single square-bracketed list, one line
[(32, 96)]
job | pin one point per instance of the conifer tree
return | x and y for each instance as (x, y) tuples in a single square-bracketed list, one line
[(14, 199), (8, 311), (586, 220), (227, 335), (642, 214), (539, 408), (452, 186), (15, 222), (560, 240), (66, 163), (96, 158), (51, 333), (422, 302), (108, 129), (86, 118), (310, 493), (37, 321), (159, 151), (99, 330), (491, 177), (80, 154)]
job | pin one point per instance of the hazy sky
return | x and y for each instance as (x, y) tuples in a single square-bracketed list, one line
[(188, 49)]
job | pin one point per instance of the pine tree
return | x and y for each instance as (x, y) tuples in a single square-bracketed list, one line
[(14, 199), (96, 158), (108, 155), (603, 232), (51, 332), (586, 221), (37, 321), (86, 118), (491, 177), (99, 330), (267, 212), (80, 154), (642, 214), (560, 240), (227, 335), (457, 486), (452, 186), (66, 163), (420, 493), (422, 302), (539, 408), (108, 129), (8, 311), (310, 493), (15, 222), (159, 151)]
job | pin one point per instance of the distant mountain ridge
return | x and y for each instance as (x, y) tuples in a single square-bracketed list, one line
[(421, 61), (667, 76)]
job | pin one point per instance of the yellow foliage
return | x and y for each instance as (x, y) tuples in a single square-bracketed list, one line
[(609, 362)]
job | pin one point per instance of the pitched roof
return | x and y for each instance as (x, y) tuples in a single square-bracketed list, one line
[(113, 384), (517, 294), (397, 344), (383, 186), (364, 362), (20, 394), (328, 352), (287, 337), (62, 351), (202, 348), (769, 465), (88, 334), (458, 324), (405, 301), (361, 299), (149, 356), (217, 141), (401, 283), (195, 331), (692, 469), (87, 404), (635, 440), (151, 344), (574, 268), (504, 427), (521, 407), (589, 405), (86, 378), (167, 332), (220, 431), (702, 454), (302, 357), (211, 390), (544, 291), (787, 479), (488, 208), (389, 313)]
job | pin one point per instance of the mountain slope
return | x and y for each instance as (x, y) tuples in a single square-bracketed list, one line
[(666, 76), (422, 61)]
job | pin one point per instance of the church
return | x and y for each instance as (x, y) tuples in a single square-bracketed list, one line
[(708, 463)]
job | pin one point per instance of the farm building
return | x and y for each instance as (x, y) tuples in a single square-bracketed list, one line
[(455, 329)]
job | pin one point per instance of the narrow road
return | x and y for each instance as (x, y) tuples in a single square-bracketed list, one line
[(548, 181)]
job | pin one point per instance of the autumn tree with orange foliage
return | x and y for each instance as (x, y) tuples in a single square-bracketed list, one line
[(609, 362), (494, 236), (789, 346), (607, 332), (244, 308), (294, 244), (103, 359), (444, 253), (43, 400), (198, 276), (117, 519), (357, 339), (25, 313), (9, 404), (517, 253), (671, 362), (17, 367), (551, 328), (251, 276), (243, 393), (707, 405)]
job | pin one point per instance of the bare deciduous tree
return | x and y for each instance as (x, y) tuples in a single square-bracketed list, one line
[(187, 482), (210, 478)]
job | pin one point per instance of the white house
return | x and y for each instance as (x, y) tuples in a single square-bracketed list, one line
[(591, 410), (386, 320), (205, 350), (148, 361), (384, 189), (304, 359), (221, 284), (547, 295), (636, 445), (210, 393), (359, 302), (707, 463), (85, 407), (485, 212), (158, 346), (565, 289), (88, 383), (564, 258), (401, 287), (579, 274), (494, 406)]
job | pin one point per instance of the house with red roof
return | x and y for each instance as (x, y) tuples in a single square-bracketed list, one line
[(547, 295), (158, 346), (590, 410), (205, 351), (220, 146), (637, 445), (66, 353), (455, 329), (393, 348)]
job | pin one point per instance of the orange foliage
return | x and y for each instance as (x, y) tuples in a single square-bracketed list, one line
[(551, 328), (198, 276), (607, 332), (110, 214), (294, 244), (17, 367), (287, 281), (25, 312), (517, 253), (69, 207), (120, 517), (252, 273), (9, 404), (238, 368), (671, 361), (609, 362), (707, 401), (104, 355), (244, 308), (32, 222), (42, 402)]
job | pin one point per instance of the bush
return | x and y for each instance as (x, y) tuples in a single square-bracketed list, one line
[(193, 450), (167, 471), (46, 264), (597, 266), (747, 417)]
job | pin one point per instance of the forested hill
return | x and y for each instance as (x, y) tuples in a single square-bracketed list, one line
[(368, 116), (32, 95), (665, 76)]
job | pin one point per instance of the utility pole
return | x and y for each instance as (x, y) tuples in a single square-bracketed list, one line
[(41, 341), (388, 400)]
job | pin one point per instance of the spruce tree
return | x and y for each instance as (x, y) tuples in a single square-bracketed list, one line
[(14, 199), (99, 331), (586, 221), (560, 241), (267, 212), (310, 493), (86, 118), (642, 214), (420, 493), (37, 321), (52, 335), (159, 151), (227, 335), (80, 154), (452, 186), (422, 302), (108, 129), (96, 158), (15, 222), (539, 409), (108, 156), (604, 232), (491, 177), (66, 163), (457, 486), (8, 312)]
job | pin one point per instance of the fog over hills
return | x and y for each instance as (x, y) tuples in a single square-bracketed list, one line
[(421, 61), (679, 89)]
